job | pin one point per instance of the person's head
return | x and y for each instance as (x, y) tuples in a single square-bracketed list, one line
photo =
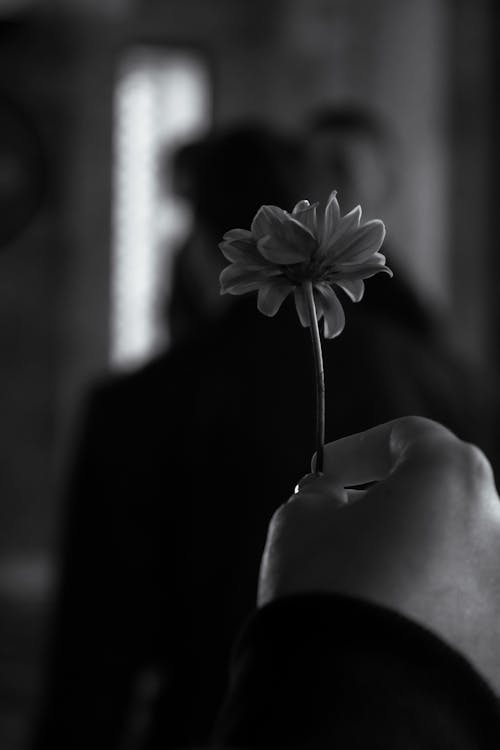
[(350, 149), (246, 165), (184, 165), (227, 176)]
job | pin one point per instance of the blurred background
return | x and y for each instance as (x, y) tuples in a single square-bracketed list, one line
[(94, 97)]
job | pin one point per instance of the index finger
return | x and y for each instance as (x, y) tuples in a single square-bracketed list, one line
[(373, 454)]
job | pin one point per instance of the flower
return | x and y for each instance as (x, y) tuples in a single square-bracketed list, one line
[(284, 250)]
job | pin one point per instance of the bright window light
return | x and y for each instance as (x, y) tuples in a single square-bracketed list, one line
[(162, 100)]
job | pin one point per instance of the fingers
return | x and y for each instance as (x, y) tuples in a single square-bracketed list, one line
[(354, 495), (317, 488), (316, 484), (417, 454), (373, 455), (306, 481)]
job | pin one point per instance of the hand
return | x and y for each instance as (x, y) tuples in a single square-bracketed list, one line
[(424, 539)]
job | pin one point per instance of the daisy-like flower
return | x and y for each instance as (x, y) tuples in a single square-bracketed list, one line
[(297, 252), (286, 252)]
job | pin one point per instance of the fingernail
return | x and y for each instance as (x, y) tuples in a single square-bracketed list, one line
[(306, 480)]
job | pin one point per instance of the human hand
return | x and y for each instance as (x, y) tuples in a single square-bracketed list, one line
[(424, 539)]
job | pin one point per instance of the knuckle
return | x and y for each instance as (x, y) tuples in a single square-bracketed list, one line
[(475, 462), (435, 445), (413, 423), (423, 439), (414, 428), (454, 460)]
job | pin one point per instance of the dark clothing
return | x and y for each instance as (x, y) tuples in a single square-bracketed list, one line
[(328, 671), (179, 469)]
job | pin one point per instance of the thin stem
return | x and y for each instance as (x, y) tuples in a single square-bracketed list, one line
[(320, 375)]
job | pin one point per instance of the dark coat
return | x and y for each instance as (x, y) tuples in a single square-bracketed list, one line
[(328, 671)]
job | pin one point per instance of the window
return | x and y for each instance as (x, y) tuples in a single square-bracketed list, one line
[(162, 100)]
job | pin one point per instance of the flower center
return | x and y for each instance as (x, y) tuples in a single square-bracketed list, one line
[(314, 269)]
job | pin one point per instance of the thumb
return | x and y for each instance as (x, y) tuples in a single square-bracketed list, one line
[(316, 489)]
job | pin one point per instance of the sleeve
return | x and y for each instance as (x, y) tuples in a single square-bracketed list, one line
[(329, 671)]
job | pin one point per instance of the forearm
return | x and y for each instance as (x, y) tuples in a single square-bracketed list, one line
[(324, 670)]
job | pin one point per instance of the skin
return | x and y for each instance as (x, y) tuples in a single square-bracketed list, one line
[(423, 539)]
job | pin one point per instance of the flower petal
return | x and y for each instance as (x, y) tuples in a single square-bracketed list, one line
[(350, 221), (377, 259), (272, 294), (266, 221), (239, 245), (361, 270), (241, 251), (239, 279), (331, 218), (301, 306), (361, 244), (306, 214), (354, 288), (238, 234), (347, 226), (302, 205), (332, 311), (290, 242), (318, 304)]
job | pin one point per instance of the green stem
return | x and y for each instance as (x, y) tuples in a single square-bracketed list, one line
[(320, 375)]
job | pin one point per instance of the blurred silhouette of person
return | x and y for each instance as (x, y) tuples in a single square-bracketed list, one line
[(186, 304), (180, 465), (148, 604), (350, 147), (204, 175)]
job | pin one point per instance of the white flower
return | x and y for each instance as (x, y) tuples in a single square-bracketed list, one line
[(283, 250)]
